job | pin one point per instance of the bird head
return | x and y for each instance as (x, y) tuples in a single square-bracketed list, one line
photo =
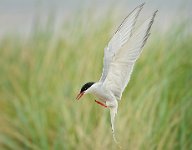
[(84, 89)]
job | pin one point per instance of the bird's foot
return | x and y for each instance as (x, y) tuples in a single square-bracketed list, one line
[(101, 104)]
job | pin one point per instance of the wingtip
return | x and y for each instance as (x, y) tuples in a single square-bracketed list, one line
[(154, 14), (139, 7), (149, 27), (142, 4)]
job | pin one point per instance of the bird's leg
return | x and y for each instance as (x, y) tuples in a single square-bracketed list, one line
[(98, 102)]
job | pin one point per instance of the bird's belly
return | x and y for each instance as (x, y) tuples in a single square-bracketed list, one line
[(103, 96)]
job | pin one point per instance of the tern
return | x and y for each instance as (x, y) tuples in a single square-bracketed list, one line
[(120, 55)]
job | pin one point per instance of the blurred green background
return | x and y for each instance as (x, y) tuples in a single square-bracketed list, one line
[(48, 49)]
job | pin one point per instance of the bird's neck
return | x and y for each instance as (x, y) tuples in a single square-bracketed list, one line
[(94, 88)]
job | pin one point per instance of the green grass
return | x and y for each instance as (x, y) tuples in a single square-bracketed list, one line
[(41, 75)]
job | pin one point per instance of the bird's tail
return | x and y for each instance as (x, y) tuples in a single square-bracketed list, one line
[(113, 112)]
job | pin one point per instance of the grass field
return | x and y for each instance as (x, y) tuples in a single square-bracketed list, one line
[(41, 75)]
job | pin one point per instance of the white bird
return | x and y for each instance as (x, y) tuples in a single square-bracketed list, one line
[(120, 55)]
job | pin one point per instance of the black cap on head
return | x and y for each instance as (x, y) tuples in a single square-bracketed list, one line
[(86, 86)]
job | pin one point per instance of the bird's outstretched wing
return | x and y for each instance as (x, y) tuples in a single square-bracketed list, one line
[(121, 36), (121, 66)]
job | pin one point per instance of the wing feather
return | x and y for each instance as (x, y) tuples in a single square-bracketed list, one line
[(120, 37), (123, 62)]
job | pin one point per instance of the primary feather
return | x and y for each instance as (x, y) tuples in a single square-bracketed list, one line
[(121, 36), (122, 63)]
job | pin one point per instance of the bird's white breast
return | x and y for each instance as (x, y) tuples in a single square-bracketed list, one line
[(100, 91)]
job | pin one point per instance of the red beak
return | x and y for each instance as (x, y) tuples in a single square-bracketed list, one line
[(79, 95)]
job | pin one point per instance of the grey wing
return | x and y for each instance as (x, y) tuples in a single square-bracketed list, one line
[(122, 65), (121, 36)]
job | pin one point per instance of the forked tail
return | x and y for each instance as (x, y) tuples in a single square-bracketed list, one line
[(113, 112)]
